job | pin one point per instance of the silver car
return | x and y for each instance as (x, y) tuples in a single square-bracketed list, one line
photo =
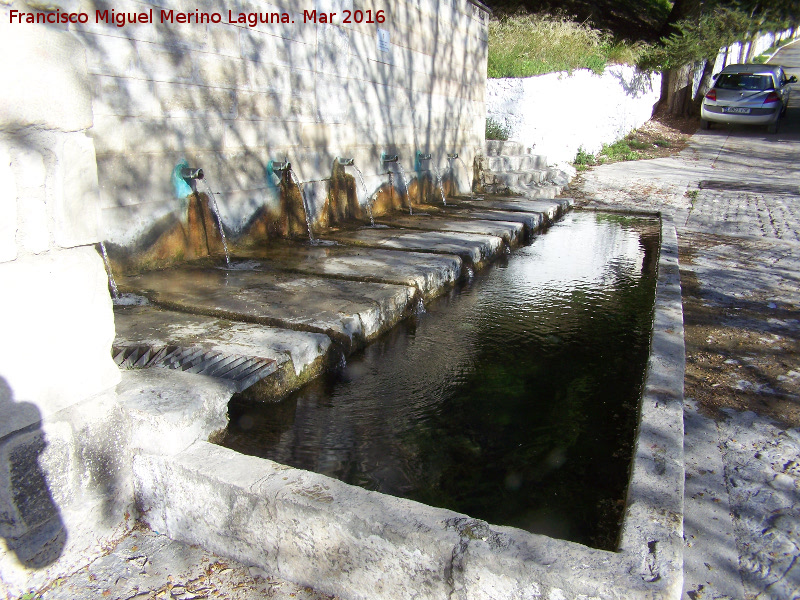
[(747, 94)]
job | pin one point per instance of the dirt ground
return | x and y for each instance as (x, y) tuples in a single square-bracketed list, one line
[(743, 355), (740, 354)]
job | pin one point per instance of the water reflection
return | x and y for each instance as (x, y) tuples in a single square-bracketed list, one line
[(513, 400)]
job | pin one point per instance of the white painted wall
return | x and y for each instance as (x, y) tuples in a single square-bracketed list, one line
[(558, 113), (738, 52)]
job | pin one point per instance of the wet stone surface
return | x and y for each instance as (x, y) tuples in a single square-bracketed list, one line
[(431, 274), (351, 312), (509, 231)]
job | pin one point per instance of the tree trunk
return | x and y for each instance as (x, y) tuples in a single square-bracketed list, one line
[(681, 9), (676, 90), (706, 81)]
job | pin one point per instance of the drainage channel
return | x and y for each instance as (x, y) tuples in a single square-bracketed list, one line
[(241, 371)]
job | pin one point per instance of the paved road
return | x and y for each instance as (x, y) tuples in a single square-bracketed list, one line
[(735, 193)]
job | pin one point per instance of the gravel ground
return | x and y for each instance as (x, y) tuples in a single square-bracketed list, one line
[(148, 566)]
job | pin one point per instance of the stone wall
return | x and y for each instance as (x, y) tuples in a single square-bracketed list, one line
[(229, 98), (558, 113), (61, 493)]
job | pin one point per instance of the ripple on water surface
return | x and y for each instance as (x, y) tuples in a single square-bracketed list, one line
[(512, 400)]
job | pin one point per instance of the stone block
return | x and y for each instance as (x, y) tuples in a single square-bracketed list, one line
[(262, 47), (179, 100), (46, 82), (171, 410), (65, 489), (261, 105), (8, 206), (163, 63), (265, 77), (32, 525), (221, 71), (60, 309), (224, 40), (33, 223), (111, 55), (76, 213), (123, 97)]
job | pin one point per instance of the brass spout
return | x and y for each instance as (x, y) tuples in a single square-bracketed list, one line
[(189, 173)]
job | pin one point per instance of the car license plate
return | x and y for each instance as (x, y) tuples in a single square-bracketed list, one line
[(739, 111)]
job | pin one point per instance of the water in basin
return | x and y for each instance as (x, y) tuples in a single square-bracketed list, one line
[(513, 400)]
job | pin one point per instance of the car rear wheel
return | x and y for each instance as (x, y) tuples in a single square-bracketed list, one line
[(705, 124), (772, 127)]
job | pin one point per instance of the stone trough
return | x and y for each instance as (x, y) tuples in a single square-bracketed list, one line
[(356, 543)]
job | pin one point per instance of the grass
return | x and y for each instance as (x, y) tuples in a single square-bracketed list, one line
[(584, 160), (527, 45), (496, 131), (655, 139)]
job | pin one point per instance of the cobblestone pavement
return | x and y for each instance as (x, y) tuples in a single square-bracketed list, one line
[(735, 194)]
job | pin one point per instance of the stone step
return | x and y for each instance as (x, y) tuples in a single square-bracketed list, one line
[(533, 191), (522, 162), (532, 220), (516, 178), (500, 148)]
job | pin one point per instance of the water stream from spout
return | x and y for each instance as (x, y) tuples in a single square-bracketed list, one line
[(439, 183), (215, 208), (305, 207), (366, 195), (405, 185), (111, 282), (469, 179)]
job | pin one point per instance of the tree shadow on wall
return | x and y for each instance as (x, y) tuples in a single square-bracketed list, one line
[(30, 521)]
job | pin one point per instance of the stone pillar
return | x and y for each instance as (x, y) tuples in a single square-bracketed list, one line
[(56, 318)]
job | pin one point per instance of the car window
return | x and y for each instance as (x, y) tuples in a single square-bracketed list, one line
[(744, 82)]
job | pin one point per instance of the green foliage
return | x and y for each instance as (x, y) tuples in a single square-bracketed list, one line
[(583, 160), (698, 39), (721, 24), (620, 151), (527, 45), (638, 144), (496, 131)]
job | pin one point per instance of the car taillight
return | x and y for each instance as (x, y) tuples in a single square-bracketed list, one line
[(712, 95), (772, 97)]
